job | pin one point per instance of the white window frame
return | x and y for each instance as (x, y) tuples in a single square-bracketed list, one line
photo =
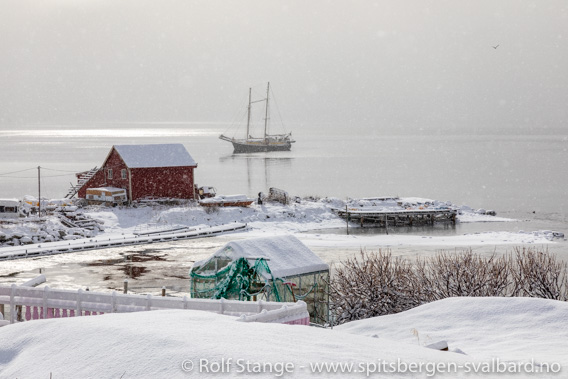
[(109, 173), (123, 173)]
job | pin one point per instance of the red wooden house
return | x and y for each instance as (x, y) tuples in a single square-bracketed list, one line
[(146, 171)]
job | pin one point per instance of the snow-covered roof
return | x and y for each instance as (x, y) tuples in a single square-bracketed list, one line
[(107, 189), (286, 255), (226, 199), (9, 201), (158, 155)]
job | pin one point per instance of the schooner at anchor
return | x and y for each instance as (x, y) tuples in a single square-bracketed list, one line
[(269, 142)]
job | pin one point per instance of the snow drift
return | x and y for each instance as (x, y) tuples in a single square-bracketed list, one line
[(179, 344)]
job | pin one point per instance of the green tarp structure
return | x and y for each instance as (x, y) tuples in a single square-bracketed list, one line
[(277, 268)]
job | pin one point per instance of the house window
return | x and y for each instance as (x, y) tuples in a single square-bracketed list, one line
[(109, 175), (123, 173)]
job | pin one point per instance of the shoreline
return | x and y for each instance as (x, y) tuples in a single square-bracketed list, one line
[(168, 263)]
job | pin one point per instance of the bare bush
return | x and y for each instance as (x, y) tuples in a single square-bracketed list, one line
[(538, 274), (461, 274), (373, 284), (377, 284)]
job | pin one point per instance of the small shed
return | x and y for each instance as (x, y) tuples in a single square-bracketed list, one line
[(163, 171), (278, 268), (9, 208)]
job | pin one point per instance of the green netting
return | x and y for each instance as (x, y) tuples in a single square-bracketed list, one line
[(238, 280), (243, 279)]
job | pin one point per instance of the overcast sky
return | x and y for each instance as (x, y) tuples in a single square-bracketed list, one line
[(417, 64)]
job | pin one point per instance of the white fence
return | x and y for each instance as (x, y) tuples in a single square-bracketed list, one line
[(27, 304), (293, 313)]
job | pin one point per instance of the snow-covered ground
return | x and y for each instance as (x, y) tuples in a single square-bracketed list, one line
[(487, 338), (483, 334), (310, 220), (306, 217)]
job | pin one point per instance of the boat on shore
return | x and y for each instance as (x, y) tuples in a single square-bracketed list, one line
[(227, 201), (265, 143)]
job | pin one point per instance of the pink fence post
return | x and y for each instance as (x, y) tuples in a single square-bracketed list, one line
[(41, 313), (28, 315), (71, 313), (64, 313), (57, 313), (35, 313), (49, 312), (301, 321)]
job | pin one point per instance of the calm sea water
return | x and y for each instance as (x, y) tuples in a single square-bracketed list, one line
[(513, 174), (507, 172)]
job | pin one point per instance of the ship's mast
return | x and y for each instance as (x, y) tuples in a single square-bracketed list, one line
[(248, 116), (266, 111)]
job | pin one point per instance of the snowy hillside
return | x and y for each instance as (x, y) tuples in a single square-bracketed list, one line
[(482, 333), (513, 329)]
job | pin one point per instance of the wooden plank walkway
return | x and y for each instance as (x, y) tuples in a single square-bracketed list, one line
[(403, 217)]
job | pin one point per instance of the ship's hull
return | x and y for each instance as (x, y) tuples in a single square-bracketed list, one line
[(258, 147), (227, 203)]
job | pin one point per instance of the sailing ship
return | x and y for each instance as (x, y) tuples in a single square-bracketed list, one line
[(268, 142)]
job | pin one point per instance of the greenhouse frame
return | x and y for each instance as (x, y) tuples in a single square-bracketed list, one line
[(278, 268)]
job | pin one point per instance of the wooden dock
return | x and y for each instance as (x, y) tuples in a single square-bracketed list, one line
[(403, 217)]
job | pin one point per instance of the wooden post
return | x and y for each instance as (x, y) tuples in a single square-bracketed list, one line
[(45, 295), (216, 270), (347, 219), (129, 186), (164, 291), (39, 192), (79, 309), (125, 286)]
